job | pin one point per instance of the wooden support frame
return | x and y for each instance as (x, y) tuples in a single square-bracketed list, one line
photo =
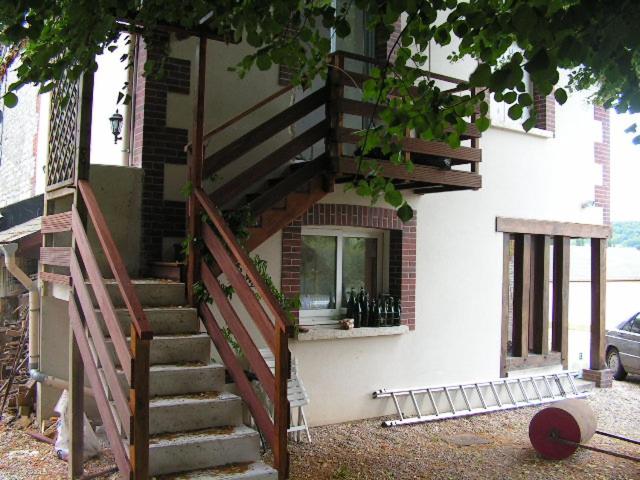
[(539, 297), (560, 319), (598, 303), (195, 165), (522, 287), (531, 346)]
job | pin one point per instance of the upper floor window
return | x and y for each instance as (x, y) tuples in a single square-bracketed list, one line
[(500, 110)]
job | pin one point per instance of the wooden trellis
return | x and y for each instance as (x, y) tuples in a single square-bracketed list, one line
[(63, 136)]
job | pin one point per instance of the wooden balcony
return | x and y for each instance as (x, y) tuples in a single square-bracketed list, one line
[(437, 166)]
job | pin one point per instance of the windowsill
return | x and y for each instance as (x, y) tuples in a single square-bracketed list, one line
[(330, 333), (535, 132)]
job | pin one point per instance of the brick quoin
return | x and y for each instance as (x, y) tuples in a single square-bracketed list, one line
[(545, 107), (154, 145), (602, 156), (402, 248)]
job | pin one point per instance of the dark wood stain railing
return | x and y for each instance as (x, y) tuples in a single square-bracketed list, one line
[(127, 427)]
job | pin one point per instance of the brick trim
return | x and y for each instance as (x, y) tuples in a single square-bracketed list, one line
[(154, 145), (545, 107), (402, 248), (384, 42), (602, 156)]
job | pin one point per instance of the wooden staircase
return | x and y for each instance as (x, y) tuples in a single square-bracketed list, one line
[(142, 344)]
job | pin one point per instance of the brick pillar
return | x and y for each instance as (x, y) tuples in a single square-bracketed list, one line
[(154, 145), (602, 156)]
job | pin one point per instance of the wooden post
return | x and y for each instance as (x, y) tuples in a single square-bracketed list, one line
[(195, 165), (139, 404), (560, 321), (76, 368), (539, 299), (336, 92), (521, 290), (475, 142), (504, 330), (281, 410), (75, 407), (598, 302)]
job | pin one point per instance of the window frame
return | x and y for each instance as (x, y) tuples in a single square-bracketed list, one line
[(327, 316)]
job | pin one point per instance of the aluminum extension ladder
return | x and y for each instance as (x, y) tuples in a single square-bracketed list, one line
[(449, 401)]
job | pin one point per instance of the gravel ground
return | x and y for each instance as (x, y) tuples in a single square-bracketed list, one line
[(365, 450)]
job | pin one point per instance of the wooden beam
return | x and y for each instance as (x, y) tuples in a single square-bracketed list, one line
[(539, 299), (417, 147), (421, 173), (598, 302), (521, 290), (560, 320), (506, 282), (195, 165), (534, 360), (139, 405), (544, 227), (60, 222), (76, 400)]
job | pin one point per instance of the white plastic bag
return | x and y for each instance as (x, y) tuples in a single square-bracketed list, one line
[(91, 444)]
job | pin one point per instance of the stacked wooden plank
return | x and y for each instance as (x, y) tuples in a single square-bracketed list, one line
[(17, 389)]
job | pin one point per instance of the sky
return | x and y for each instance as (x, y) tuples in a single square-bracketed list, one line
[(625, 170)]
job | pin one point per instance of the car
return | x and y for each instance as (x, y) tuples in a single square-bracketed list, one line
[(623, 348)]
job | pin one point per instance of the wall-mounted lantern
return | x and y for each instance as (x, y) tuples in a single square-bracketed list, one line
[(116, 125)]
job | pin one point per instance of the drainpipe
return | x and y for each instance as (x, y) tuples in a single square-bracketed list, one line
[(54, 382), (9, 251)]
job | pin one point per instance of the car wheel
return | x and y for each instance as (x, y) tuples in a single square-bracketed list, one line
[(613, 362)]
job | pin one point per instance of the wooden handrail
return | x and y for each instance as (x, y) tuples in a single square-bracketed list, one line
[(242, 258), (138, 317), (264, 132), (373, 61), (102, 295), (246, 112)]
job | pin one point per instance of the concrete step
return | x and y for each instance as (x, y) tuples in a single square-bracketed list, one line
[(151, 292), (172, 349), (181, 413), (176, 452), (233, 471), (164, 320), (182, 379)]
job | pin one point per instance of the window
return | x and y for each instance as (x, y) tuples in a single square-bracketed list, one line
[(500, 110), (334, 262)]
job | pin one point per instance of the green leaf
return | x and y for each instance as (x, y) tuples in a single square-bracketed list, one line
[(509, 97), (405, 212), (483, 123), (10, 99), (263, 61), (631, 128), (481, 76), (515, 112), (561, 96), (525, 100), (529, 123), (393, 197)]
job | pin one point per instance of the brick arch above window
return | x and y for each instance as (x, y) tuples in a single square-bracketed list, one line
[(402, 248)]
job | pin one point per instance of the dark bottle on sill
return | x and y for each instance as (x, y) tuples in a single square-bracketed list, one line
[(382, 313), (364, 308), (375, 318), (390, 318), (350, 305), (357, 315), (396, 312)]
